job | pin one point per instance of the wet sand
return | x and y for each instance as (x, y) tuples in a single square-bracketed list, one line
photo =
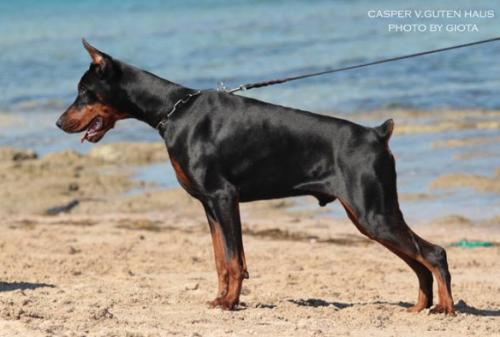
[(140, 264), (411, 121), (479, 183)]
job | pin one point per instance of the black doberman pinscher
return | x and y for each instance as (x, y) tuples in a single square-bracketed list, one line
[(226, 149)]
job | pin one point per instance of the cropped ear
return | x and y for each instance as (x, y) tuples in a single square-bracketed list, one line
[(98, 57)]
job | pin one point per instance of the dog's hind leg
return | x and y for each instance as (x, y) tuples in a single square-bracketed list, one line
[(423, 257), (424, 281), (434, 258), (225, 226), (423, 274), (368, 192)]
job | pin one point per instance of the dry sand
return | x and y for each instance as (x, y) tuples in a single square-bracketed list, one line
[(150, 275), (141, 265)]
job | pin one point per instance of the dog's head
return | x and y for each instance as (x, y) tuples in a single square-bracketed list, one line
[(96, 107)]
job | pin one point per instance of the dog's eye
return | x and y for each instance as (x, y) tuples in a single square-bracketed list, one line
[(85, 92)]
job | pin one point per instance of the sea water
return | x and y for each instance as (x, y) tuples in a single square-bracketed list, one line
[(201, 43)]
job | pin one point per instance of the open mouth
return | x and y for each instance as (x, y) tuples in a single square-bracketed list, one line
[(94, 131)]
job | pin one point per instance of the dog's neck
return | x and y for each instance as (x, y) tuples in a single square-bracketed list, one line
[(150, 97)]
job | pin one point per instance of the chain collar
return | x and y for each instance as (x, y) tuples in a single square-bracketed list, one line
[(183, 100)]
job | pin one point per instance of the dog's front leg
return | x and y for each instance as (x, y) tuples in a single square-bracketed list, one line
[(225, 226), (218, 244)]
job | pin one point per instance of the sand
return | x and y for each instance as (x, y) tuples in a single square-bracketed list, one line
[(435, 121), (138, 275), (477, 182), (141, 264)]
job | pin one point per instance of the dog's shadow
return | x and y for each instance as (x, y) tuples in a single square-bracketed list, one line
[(460, 307), (464, 308), (12, 286)]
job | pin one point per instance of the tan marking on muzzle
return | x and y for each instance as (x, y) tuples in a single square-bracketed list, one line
[(75, 119)]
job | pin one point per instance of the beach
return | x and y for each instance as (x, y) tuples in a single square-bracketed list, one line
[(89, 249), (101, 240), (136, 275)]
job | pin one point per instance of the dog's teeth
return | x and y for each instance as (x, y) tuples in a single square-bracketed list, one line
[(84, 136)]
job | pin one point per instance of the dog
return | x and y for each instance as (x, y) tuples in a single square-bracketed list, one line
[(226, 149)]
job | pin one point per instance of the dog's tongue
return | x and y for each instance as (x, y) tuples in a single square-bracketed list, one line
[(94, 126)]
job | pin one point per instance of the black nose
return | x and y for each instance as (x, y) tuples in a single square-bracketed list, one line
[(59, 123)]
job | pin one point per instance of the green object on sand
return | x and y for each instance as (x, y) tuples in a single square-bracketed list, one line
[(472, 244)]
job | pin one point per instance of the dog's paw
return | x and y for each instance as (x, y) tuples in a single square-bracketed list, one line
[(416, 308), (442, 309), (214, 303), (223, 303)]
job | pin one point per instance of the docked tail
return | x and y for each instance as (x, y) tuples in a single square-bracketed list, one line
[(385, 130)]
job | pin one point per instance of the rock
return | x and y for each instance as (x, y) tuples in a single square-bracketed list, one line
[(103, 313), (63, 158), (72, 250), (13, 154), (129, 153)]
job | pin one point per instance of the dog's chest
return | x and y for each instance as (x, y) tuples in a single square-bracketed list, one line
[(181, 175)]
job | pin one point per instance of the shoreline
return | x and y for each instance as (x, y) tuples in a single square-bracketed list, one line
[(136, 177)]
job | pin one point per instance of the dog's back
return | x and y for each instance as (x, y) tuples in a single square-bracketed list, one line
[(268, 151)]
